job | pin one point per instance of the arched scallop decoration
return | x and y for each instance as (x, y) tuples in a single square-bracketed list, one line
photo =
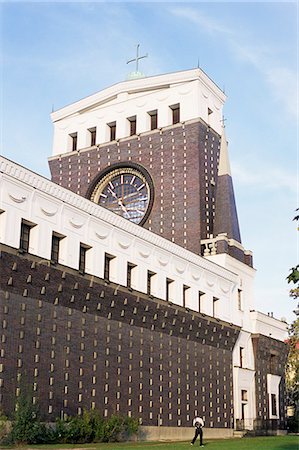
[(210, 280), (225, 286), (47, 212), (75, 223), (17, 199)]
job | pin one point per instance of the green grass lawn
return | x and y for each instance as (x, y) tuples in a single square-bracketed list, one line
[(257, 443)]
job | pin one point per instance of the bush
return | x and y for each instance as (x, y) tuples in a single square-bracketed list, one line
[(26, 427), (90, 427)]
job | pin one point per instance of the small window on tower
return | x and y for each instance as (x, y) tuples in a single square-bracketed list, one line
[(242, 351), (150, 276), (112, 127), (93, 135), (82, 257), (185, 294), (175, 113), (153, 119), (240, 300), (133, 123), (107, 263), (215, 306), (200, 300), (25, 235), (130, 268), (55, 248), (74, 141), (273, 405), (169, 287)]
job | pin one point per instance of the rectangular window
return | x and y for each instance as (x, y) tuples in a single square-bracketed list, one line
[(242, 356), (200, 298), (112, 127), (149, 281), (168, 288), (130, 267), (55, 248), (74, 141), (273, 405), (240, 300), (185, 290), (153, 119), (82, 257), (93, 135), (25, 236), (175, 113), (244, 396), (107, 262), (133, 123), (215, 300)]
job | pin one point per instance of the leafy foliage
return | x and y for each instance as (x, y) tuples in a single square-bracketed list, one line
[(89, 427), (26, 426), (292, 369)]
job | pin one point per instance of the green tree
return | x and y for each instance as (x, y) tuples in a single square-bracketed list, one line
[(292, 369)]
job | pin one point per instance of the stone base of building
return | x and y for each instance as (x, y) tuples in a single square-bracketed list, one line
[(180, 433)]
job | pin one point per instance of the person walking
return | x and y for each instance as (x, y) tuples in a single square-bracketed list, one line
[(198, 425)]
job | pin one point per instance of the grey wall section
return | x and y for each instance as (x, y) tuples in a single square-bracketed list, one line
[(79, 342)]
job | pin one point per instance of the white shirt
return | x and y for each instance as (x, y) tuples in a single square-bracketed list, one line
[(198, 421)]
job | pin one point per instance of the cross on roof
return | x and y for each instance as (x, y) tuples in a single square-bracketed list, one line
[(137, 57), (223, 120)]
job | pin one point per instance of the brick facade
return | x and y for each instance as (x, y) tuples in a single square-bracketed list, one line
[(182, 162), (81, 342), (264, 347)]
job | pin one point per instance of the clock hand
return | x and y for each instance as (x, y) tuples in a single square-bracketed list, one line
[(113, 193), (123, 207)]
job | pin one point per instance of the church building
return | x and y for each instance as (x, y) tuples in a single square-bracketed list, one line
[(125, 286)]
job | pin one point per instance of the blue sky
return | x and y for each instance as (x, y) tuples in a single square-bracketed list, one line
[(54, 53)]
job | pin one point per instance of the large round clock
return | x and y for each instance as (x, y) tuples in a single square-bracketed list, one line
[(125, 190)]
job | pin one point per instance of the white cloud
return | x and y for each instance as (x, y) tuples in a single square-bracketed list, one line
[(272, 178), (205, 22), (282, 81)]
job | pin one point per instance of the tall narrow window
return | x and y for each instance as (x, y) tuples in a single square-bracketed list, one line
[(82, 257), (215, 301), (168, 288), (74, 141), (175, 113), (185, 290), (149, 281), (107, 266), (239, 299), (25, 236), (242, 356), (133, 123), (153, 119), (112, 127), (200, 299), (244, 396), (130, 267), (93, 135), (273, 405), (55, 248)]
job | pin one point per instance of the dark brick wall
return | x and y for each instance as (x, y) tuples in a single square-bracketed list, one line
[(79, 342), (263, 347), (182, 161)]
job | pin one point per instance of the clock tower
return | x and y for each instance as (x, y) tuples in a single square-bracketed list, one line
[(153, 151)]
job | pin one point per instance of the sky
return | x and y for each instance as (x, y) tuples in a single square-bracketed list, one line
[(55, 53)]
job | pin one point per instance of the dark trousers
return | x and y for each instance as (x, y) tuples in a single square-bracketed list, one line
[(198, 431)]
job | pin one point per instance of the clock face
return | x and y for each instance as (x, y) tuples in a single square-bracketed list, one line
[(124, 191)]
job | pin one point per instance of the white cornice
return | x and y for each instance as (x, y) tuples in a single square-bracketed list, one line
[(139, 85), (31, 179)]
